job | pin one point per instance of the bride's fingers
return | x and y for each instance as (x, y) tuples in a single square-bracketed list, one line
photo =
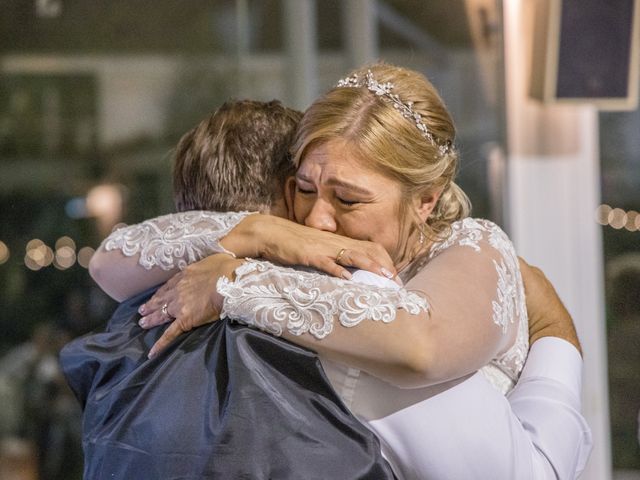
[(157, 317), (164, 294), (363, 261), (330, 266), (378, 254), (170, 334), (156, 301)]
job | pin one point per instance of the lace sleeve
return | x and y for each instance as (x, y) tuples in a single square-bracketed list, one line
[(278, 299), (174, 240), (469, 286), (493, 291)]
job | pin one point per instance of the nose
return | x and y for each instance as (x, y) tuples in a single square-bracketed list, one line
[(322, 216)]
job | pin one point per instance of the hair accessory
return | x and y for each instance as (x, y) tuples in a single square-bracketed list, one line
[(405, 108)]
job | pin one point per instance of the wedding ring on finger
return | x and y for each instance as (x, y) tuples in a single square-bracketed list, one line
[(340, 254), (165, 312)]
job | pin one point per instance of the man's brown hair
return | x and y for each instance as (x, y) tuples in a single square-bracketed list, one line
[(237, 159)]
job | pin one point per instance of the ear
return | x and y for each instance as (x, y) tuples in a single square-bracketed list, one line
[(289, 193), (426, 203)]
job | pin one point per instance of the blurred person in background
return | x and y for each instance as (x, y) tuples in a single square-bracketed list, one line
[(40, 414)]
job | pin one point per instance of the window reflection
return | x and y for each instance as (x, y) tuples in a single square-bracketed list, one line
[(620, 145)]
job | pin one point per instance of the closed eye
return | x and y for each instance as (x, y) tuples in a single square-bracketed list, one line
[(304, 191), (347, 203)]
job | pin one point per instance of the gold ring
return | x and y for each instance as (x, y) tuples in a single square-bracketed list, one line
[(340, 253)]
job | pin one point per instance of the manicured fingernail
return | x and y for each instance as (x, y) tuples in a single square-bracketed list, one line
[(143, 322), (346, 275), (386, 272), (152, 353), (141, 309)]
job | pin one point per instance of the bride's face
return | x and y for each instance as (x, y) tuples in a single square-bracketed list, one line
[(336, 192)]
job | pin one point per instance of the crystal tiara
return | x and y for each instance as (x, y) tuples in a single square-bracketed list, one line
[(406, 109)]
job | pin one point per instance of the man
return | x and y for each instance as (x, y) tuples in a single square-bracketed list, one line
[(226, 401)]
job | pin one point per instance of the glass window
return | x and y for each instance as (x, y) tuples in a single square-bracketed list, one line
[(620, 147)]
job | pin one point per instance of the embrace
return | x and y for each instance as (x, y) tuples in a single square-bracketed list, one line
[(329, 310)]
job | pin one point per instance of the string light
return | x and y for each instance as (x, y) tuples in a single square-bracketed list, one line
[(31, 264), (4, 252), (84, 256), (618, 218), (65, 242), (633, 219), (35, 243), (65, 258), (602, 214)]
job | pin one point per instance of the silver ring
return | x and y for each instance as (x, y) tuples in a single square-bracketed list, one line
[(165, 310)]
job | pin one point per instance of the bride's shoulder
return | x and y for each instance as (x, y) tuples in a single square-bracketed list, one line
[(469, 224), (474, 233)]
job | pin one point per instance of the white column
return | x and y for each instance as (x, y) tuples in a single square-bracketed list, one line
[(553, 191), (360, 32), (302, 55)]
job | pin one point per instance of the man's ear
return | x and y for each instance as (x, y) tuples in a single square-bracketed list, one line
[(289, 192), (426, 203)]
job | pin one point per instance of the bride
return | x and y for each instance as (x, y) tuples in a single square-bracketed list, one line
[(375, 161)]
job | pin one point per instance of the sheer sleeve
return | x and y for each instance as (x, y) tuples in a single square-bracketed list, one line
[(140, 256), (472, 281), (461, 308), (174, 240), (278, 299)]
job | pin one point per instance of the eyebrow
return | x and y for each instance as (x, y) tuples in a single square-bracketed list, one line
[(335, 182)]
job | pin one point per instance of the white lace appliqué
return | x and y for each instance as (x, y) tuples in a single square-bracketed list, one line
[(174, 240), (509, 304), (277, 299)]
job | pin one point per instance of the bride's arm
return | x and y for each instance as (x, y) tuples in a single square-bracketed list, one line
[(458, 333), (140, 256), (470, 315)]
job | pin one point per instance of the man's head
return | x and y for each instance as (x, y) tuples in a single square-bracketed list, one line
[(237, 159)]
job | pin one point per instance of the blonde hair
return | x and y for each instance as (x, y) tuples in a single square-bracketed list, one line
[(391, 143)]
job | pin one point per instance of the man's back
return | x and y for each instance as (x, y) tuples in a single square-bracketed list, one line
[(225, 401)]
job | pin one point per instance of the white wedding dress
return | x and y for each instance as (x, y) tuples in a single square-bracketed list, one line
[(278, 299)]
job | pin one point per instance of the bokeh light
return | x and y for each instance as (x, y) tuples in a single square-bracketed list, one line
[(31, 264), (65, 258), (602, 214), (617, 218), (84, 256), (4, 252), (104, 201), (35, 243), (65, 242), (632, 220), (38, 255)]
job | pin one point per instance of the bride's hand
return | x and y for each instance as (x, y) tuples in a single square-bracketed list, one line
[(188, 300), (288, 243)]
